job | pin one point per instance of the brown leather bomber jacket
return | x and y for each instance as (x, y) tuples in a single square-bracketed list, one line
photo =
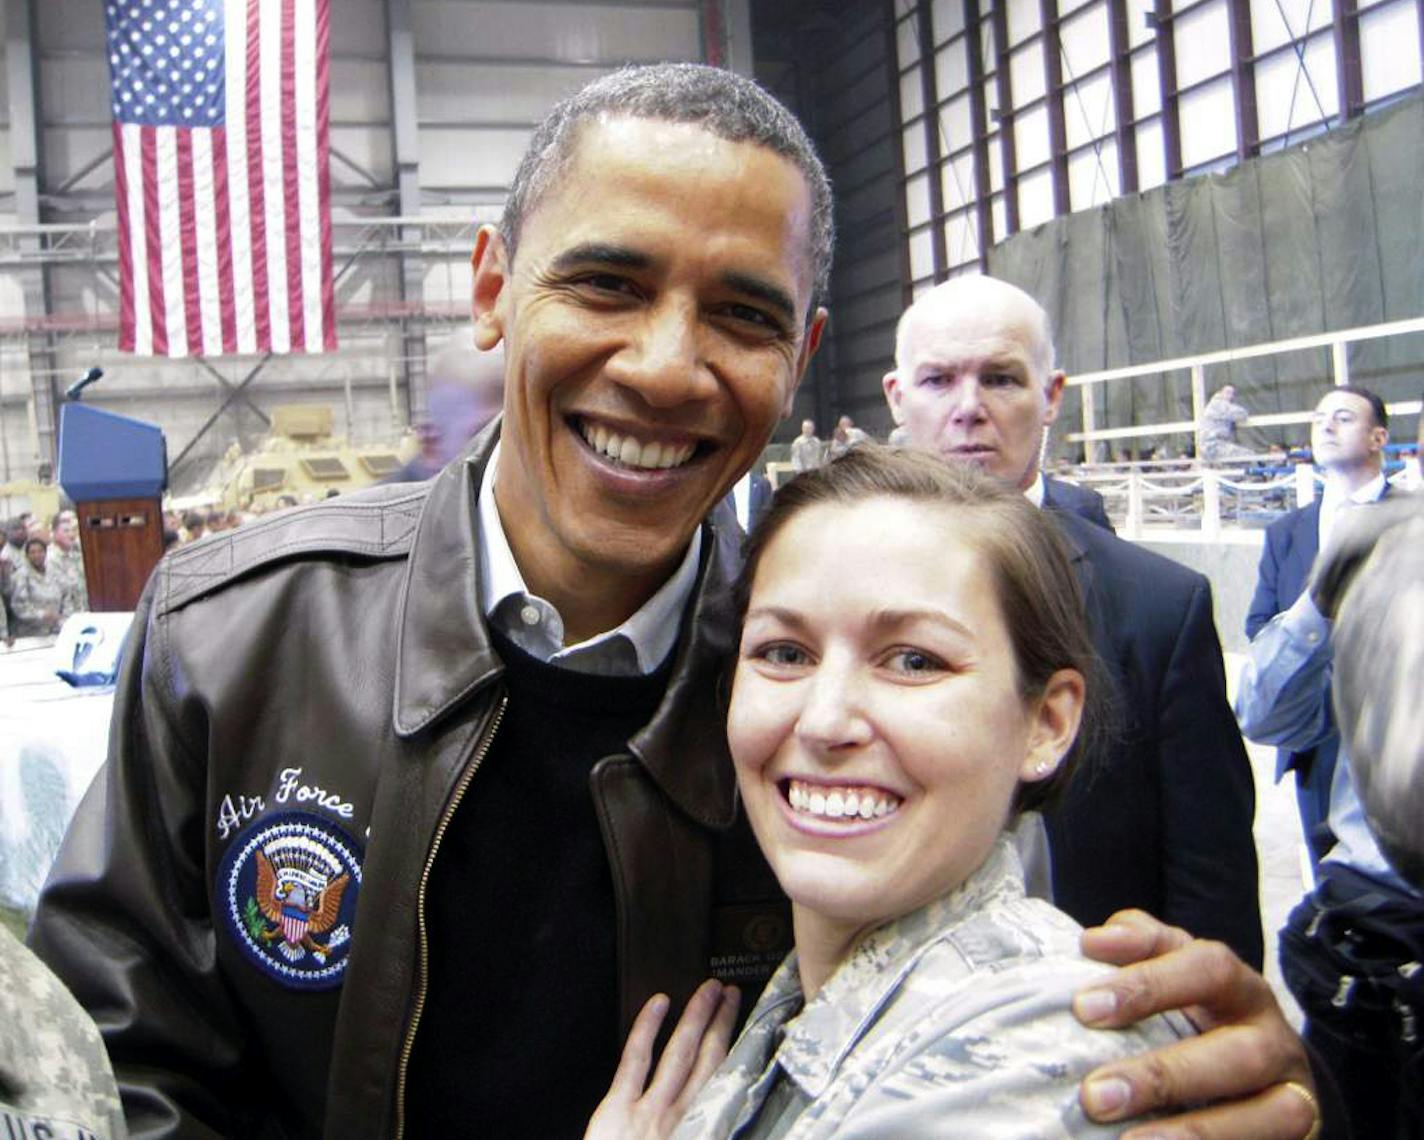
[(301, 706)]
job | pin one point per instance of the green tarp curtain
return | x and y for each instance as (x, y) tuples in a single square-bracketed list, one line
[(1322, 236)]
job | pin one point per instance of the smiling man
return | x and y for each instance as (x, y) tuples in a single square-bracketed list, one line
[(416, 796), (652, 348)]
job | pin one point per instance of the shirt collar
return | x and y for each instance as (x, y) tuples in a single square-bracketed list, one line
[(651, 632), (1334, 492), (1334, 496), (1034, 491)]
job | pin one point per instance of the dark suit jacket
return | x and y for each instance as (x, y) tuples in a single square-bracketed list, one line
[(1162, 819), (1075, 500), (1291, 544)]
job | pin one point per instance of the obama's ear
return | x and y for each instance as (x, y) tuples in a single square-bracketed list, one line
[(809, 344), (490, 266)]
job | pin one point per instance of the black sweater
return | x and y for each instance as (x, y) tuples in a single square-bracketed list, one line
[(520, 1032)]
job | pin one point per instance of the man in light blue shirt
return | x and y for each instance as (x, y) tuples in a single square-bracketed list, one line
[(1351, 950)]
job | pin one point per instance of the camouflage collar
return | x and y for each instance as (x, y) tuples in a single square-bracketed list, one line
[(845, 1011)]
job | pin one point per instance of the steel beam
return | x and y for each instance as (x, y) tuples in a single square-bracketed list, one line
[(737, 32), (1243, 80), (400, 35), (351, 164), (87, 169), (929, 99), (1053, 94), (1167, 86), (1348, 76), (979, 124), (26, 157), (1120, 64), (1003, 82), (891, 64), (234, 392)]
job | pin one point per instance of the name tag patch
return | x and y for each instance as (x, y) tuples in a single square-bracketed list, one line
[(15, 1125), (748, 942), (288, 887)]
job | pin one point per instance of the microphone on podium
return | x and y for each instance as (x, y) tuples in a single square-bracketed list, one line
[(73, 391)]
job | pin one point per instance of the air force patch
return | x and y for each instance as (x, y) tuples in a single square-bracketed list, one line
[(288, 887)]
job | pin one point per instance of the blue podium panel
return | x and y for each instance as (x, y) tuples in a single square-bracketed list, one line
[(103, 455)]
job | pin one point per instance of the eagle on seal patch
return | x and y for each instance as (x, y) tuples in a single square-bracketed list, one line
[(299, 902)]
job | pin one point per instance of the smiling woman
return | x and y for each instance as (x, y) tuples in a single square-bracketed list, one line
[(913, 670)]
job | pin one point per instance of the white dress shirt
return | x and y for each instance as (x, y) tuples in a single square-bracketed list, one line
[(1335, 496), (637, 646)]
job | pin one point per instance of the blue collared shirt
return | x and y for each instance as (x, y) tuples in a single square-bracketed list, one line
[(1283, 698)]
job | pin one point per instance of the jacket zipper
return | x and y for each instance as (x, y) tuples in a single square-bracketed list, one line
[(421, 992)]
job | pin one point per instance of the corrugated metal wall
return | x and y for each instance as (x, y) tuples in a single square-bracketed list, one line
[(833, 64)]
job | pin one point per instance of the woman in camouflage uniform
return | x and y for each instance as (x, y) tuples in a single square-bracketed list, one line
[(41, 598), (913, 670)]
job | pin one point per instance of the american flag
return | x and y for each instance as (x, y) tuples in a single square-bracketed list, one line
[(221, 175)]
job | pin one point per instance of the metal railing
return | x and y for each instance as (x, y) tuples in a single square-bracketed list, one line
[(1207, 502), (1337, 342)]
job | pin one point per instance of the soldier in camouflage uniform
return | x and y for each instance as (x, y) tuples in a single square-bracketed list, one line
[(55, 1078), (40, 599), (66, 559)]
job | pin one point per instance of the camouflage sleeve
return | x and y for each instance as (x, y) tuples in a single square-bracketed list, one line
[(1009, 1070), (55, 1079)]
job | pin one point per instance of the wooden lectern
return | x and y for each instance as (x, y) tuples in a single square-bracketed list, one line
[(115, 469)]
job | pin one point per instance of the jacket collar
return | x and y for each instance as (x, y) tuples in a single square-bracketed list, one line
[(443, 652)]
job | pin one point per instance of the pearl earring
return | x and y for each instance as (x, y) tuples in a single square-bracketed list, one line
[(1042, 768)]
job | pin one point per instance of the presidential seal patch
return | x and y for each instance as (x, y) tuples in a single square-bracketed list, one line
[(288, 886)]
